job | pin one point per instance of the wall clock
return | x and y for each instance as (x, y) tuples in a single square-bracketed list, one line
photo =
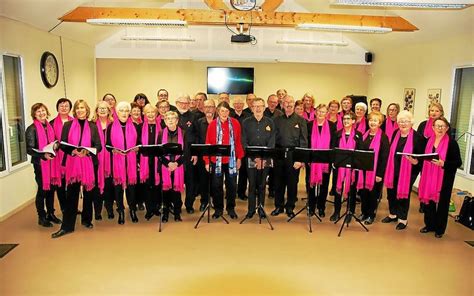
[(49, 69), (243, 5)]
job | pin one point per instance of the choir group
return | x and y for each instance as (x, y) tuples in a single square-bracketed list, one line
[(101, 154)]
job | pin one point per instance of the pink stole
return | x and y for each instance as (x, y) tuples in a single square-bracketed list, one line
[(124, 166), (403, 186), (319, 141), (344, 174), (58, 128), (362, 125), (50, 171), (80, 169), (390, 128), (432, 175), (370, 175), (309, 117), (104, 158), (144, 169), (428, 132), (339, 124), (178, 184)]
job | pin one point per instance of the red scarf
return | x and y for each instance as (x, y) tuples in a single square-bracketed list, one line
[(403, 186), (390, 128), (429, 132), (144, 169), (50, 171), (432, 175), (362, 125), (178, 184), (124, 166), (58, 129), (80, 169), (319, 141), (344, 174), (104, 158), (309, 117), (370, 175)]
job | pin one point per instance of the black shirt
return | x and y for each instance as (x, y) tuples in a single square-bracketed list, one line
[(201, 128), (258, 133), (291, 131), (241, 117), (383, 153), (269, 114), (32, 142), (332, 131), (95, 139), (172, 138), (187, 123)]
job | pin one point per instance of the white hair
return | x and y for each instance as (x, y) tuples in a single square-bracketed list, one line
[(122, 105), (361, 104), (183, 97), (405, 114)]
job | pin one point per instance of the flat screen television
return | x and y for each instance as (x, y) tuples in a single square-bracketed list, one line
[(233, 80)]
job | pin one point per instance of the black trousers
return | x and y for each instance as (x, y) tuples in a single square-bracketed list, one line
[(43, 197), (369, 199), (320, 199), (256, 187), (242, 179), (189, 177), (172, 199), (287, 178), (131, 201), (61, 193), (398, 207), (152, 197), (271, 180), (436, 215), (106, 198), (203, 184), (139, 193), (217, 187), (351, 199), (72, 201)]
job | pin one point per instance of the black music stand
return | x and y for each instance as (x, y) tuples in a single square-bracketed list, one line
[(309, 156), (352, 160), (208, 150), (261, 153), (167, 149)]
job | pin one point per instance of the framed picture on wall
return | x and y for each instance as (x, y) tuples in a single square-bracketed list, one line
[(434, 96), (409, 99)]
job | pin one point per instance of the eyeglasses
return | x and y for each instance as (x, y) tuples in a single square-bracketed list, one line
[(404, 122), (440, 126), (347, 118), (102, 109)]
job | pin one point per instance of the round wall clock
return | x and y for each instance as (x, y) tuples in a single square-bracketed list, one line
[(243, 5), (49, 69)]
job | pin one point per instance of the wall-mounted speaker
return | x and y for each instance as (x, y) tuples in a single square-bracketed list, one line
[(369, 57)]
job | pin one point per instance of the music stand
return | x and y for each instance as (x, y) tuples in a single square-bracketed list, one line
[(309, 156), (262, 153), (357, 160), (208, 150), (167, 149)]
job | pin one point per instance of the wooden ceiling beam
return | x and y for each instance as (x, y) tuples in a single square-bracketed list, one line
[(271, 5), (257, 18), (216, 4)]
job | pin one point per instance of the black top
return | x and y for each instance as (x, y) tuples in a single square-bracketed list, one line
[(291, 131), (258, 133), (198, 114), (187, 123), (383, 153), (277, 112), (248, 111), (32, 142), (95, 139), (108, 141), (172, 138), (151, 160), (421, 128), (357, 137), (332, 131), (201, 128), (241, 117)]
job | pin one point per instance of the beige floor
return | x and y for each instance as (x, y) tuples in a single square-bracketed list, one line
[(248, 259)]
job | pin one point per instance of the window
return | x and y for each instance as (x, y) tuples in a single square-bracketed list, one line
[(462, 116), (12, 114)]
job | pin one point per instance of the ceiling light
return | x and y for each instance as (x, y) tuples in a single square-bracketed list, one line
[(433, 4), (343, 28), (312, 42), (137, 22), (154, 38)]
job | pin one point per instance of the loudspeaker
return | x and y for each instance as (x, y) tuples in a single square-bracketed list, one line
[(369, 57)]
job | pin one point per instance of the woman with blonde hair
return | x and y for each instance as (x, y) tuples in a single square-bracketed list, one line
[(309, 113)]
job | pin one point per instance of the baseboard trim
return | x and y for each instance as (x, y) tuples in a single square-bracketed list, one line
[(17, 209)]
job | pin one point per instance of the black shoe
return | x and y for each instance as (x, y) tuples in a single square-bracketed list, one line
[(157, 212), (216, 214), (389, 220), (347, 219), (164, 218), (190, 210), (232, 214), (53, 218), (110, 215), (311, 213), (276, 212), (401, 226), (369, 221), (261, 214), (141, 207), (177, 218), (421, 209), (98, 217), (249, 215), (149, 215), (290, 214), (321, 213), (43, 222), (60, 233), (121, 218), (362, 217), (438, 235), (425, 230), (202, 207), (334, 217), (88, 225), (243, 197), (133, 216)]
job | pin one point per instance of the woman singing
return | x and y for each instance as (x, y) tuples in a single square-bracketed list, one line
[(390, 125), (81, 167), (47, 172), (437, 178), (402, 171)]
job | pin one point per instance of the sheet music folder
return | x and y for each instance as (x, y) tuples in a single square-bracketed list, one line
[(210, 150), (355, 159), (308, 155)]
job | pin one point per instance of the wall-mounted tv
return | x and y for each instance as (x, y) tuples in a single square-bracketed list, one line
[(236, 81)]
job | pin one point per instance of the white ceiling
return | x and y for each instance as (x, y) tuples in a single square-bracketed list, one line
[(213, 43)]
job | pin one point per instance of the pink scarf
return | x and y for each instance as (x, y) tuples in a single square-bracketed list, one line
[(428, 132), (80, 169), (104, 159), (124, 166), (403, 186), (362, 125), (319, 141), (50, 171), (339, 124), (432, 175), (370, 175), (344, 174), (144, 169), (390, 128), (178, 184), (58, 129), (309, 117)]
